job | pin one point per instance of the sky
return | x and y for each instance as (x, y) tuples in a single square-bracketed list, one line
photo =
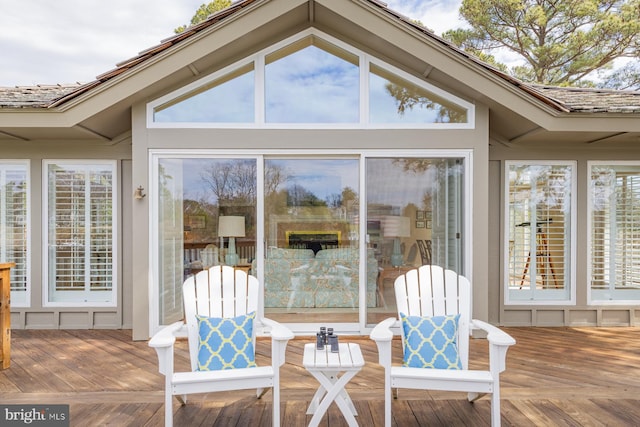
[(69, 41)]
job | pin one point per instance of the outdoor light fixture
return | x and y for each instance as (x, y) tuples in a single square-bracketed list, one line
[(138, 194), (396, 227), (231, 227)]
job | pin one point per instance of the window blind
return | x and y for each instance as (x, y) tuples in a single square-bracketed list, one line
[(13, 222), (615, 228), (81, 235), (539, 226)]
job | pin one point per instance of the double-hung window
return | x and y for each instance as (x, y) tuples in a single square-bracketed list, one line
[(540, 224), (80, 229), (14, 230), (614, 232)]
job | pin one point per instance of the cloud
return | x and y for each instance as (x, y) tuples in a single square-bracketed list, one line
[(63, 41), (437, 15)]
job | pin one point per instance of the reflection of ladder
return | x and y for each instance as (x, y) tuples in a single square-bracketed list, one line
[(544, 262)]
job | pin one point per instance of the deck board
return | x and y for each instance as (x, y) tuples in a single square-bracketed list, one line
[(554, 376)]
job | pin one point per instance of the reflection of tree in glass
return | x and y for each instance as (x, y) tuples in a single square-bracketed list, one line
[(415, 165), (297, 195), (347, 198), (407, 98), (548, 186), (602, 186), (233, 182)]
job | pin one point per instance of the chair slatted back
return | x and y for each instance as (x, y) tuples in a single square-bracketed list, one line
[(433, 291), (220, 291)]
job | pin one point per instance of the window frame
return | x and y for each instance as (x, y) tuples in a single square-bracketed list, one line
[(591, 300), (258, 59), (24, 301), (48, 293), (570, 294)]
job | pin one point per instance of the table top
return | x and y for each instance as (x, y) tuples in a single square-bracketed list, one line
[(349, 357)]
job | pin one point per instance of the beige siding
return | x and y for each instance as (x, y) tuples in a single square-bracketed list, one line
[(37, 316)]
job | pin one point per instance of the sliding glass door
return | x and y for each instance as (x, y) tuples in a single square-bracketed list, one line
[(414, 214), (311, 265), (196, 196), (297, 223)]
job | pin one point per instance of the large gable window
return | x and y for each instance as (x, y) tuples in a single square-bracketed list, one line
[(312, 80)]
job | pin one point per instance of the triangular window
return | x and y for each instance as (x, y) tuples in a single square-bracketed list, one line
[(311, 80), (227, 99), (393, 99)]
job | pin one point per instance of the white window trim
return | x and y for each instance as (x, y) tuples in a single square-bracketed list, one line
[(364, 63), (571, 300), (590, 299), (16, 302), (45, 234), (260, 155)]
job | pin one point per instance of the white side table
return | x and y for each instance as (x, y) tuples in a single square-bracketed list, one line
[(333, 371)]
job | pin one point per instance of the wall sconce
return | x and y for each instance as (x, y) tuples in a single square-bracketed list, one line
[(138, 194)]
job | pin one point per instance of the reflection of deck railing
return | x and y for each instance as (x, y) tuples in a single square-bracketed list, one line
[(246, 249)]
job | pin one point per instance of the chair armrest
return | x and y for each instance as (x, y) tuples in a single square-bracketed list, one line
[(382, 335), (494, 335), (280, 336), (163, 342), (382, 331), (278, 331), (166, 336), (499, 343)]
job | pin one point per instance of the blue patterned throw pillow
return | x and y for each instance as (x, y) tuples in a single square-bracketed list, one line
[(225, 343), (431, 342)]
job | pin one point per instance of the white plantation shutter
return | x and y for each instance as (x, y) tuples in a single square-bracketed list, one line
[(539, 231), (81, 224), (13, 226), (615, 232)]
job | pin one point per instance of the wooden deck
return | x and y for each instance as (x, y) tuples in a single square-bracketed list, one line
[(554, 377)]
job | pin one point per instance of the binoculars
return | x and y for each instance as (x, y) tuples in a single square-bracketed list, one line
[(326, 337)]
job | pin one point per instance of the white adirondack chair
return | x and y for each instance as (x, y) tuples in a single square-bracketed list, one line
[(432, 291), (221, 291)]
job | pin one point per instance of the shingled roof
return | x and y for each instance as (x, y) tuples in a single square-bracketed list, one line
[(39, 96), (573, 100), (586, 100)]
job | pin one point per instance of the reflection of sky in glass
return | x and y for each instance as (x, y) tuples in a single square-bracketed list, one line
[(192, 170), (229, 102), (320, 177), (312, 86)]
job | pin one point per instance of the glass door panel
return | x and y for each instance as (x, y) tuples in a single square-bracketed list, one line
[(414, 217), (311, 266), (193, 194)]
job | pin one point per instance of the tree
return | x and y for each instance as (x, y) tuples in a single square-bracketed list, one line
[(562, 42), (204, 11), (625, 77)]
